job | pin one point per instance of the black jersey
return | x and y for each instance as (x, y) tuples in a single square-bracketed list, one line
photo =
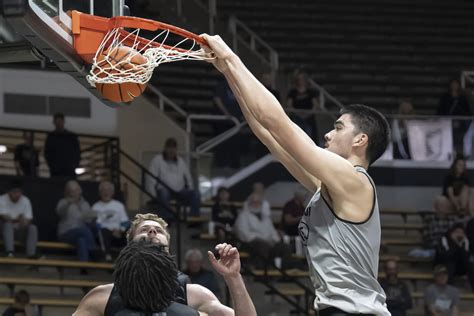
[(116, 307)]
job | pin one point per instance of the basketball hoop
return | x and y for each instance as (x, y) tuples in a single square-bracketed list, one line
[(96, 39)]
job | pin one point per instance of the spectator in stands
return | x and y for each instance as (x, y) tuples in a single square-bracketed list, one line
[(62, 150), (21, 306), (112, 220), (292, 213), (398, 296), (26, 157), (16, 217), (198, 274), (227, 153), (269, 83), (224, 214), (174, 172), (470, 238), (254, 227), (453, 251), (456, 196), (401, 149), (455, 103), (74, 215), (439, 297), (302, 97)]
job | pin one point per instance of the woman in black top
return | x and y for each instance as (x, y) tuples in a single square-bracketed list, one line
[(456, 191)]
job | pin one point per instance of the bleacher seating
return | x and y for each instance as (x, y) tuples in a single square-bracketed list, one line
[(372, 52)]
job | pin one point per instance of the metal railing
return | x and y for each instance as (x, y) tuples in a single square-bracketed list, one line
[(242, 33), (467, 77), (325, 95), (164, 101)]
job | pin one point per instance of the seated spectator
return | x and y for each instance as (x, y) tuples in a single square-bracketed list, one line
[(453, 252), (112, 220), (398, 296), (26, 157), (292, 213), (174, 172), (455, 103), (254, 227), (198, 274), (224, 214), (456, 196), (401, 148), (21, 306), (74, 215), (435, 226), (470, 238), (302, 97), (439, 297), (16, 218)]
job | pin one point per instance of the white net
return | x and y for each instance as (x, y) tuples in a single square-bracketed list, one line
[(126, 57)]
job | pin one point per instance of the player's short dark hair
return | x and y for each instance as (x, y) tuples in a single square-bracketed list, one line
[(371, 122), (146, 277), (58, 115)]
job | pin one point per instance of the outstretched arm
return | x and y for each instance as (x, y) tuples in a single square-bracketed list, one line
[(300, 174), (333, 170), (229, 267)]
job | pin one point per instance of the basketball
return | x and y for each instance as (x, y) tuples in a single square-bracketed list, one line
[(118, 60)]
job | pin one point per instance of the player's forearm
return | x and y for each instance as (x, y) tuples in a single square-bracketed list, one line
[(261, 103), (262, 134), (242, 303)]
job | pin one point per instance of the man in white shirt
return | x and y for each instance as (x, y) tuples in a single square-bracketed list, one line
[(112, 220), (16, 216), (174, 172), (254, 227)]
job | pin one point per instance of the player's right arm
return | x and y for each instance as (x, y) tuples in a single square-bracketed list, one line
[(93, 304), (301, 175)]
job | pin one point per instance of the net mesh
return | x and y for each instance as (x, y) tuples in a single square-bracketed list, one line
[(149, 53)]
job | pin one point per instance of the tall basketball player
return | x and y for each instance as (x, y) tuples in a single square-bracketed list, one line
[(102, 300), (341, 225)]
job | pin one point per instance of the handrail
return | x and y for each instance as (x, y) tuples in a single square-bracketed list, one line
[(256, 43), (467, 76), (324, 94), (145, 171), (205, 117), (213, 142), (164, 100)]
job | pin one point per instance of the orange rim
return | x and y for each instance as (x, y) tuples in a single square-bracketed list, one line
[(89, 31)]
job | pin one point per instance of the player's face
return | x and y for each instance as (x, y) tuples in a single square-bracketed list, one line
[(341, 138), (152, 231)]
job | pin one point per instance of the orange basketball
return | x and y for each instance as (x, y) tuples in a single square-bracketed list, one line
[(119, 59)]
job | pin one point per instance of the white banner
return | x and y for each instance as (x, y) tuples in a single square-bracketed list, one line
[(430, 139), (469, 142)]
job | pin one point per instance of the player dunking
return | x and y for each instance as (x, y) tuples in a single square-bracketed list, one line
[(341, 225)]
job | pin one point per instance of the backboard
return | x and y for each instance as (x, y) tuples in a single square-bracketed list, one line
[(48, 27)]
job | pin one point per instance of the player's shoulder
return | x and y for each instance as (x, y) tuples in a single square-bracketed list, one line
[(94, 302)]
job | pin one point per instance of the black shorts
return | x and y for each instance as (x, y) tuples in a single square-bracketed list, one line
[(332, 311)]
